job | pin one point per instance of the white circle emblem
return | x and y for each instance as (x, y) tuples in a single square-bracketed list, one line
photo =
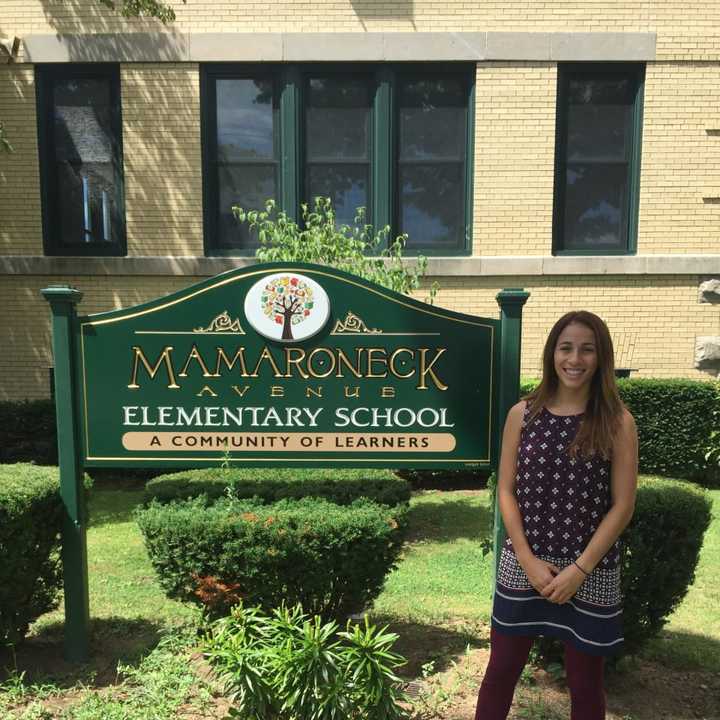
[(287, 306)]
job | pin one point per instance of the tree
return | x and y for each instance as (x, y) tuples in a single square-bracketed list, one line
[(358, 249)]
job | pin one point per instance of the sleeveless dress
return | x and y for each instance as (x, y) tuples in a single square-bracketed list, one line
[(562, 500)]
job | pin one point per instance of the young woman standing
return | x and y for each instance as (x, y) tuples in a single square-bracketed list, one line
[(566, 490)]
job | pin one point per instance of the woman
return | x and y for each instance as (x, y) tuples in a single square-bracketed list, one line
[(566, 490)]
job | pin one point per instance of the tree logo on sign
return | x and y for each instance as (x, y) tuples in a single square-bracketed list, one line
[(288, 301), (287, 306)]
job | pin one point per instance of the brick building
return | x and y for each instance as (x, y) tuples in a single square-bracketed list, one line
[(571, 148)]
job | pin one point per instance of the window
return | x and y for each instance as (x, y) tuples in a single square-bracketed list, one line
[(79, 134), (599, 120), (396, 140), (337, 141)]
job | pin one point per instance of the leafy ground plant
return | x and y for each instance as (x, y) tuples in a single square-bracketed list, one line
[(290, 666)]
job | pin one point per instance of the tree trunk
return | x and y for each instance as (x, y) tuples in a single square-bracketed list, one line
[(287, 327)]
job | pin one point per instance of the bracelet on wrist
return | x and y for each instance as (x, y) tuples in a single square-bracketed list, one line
[(577, 565)]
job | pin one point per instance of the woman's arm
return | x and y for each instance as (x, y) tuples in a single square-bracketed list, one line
[(539, 572), (623, 487)]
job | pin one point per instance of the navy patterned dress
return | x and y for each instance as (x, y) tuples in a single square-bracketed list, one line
[(562, 501)]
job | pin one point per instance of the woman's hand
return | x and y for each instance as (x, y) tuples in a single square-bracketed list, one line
[(540, 573), (564, 585)]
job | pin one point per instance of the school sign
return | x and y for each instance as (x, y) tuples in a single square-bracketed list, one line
[(274, 365)]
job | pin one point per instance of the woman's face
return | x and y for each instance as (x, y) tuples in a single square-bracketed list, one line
[(576, 356)]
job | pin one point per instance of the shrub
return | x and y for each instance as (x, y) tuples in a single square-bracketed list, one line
[(333, 560), (288, 666), (357, 249), (339, 486), (676, 420), (446, 478), (660, 552), (661, 549), (30, 522), (28, 432)]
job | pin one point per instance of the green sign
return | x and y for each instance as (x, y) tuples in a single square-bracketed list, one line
[(281, 364), (287, 365)]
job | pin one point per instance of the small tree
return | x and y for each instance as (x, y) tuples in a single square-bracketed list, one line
[(357, 249)]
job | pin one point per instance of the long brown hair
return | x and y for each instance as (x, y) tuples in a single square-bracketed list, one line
[(604, 408)]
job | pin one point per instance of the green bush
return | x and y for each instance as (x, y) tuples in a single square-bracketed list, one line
[(331, 559), (660, 552), (358, 249), (661, 549), (339, 486), (288, 666), (30, 522), (676, 420), (28, 432)]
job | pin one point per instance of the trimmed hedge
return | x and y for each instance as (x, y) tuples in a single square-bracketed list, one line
[(661, 549), (270, 485), (660, 552), (675, 420), (28, 432), (332, 560), (30, 521)]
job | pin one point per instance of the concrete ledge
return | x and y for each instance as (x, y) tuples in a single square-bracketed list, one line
[(433, 46), (232, 47), (602, 46), (526, 266), (354, 47), (518, 46), (115, 47), (340, 47)]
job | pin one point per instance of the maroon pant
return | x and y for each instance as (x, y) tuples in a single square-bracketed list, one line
[(508, 655)]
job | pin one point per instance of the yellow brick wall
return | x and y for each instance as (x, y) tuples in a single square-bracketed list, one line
[(514, 158), (20, 219), (25, 321), (163, 170), (686, 30), (659, 315), (680, 160)]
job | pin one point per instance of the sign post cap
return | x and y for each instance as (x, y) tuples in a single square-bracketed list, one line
[(61, 294), (512, 296)]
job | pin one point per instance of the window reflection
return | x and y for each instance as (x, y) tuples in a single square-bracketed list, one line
[(85, 169), (247, 152), (432, 120), (337, 142), (597, 159)]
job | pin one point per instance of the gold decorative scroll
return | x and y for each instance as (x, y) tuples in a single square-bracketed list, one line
[(222, 323), (353, 325)]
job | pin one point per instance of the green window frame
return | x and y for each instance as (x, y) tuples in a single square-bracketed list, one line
[(81, 159), (378, 166), (597, 158)]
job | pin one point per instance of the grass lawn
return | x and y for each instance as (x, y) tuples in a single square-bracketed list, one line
[(438, 600)]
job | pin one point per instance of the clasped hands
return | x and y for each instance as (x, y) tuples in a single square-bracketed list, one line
[(555, 585)]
